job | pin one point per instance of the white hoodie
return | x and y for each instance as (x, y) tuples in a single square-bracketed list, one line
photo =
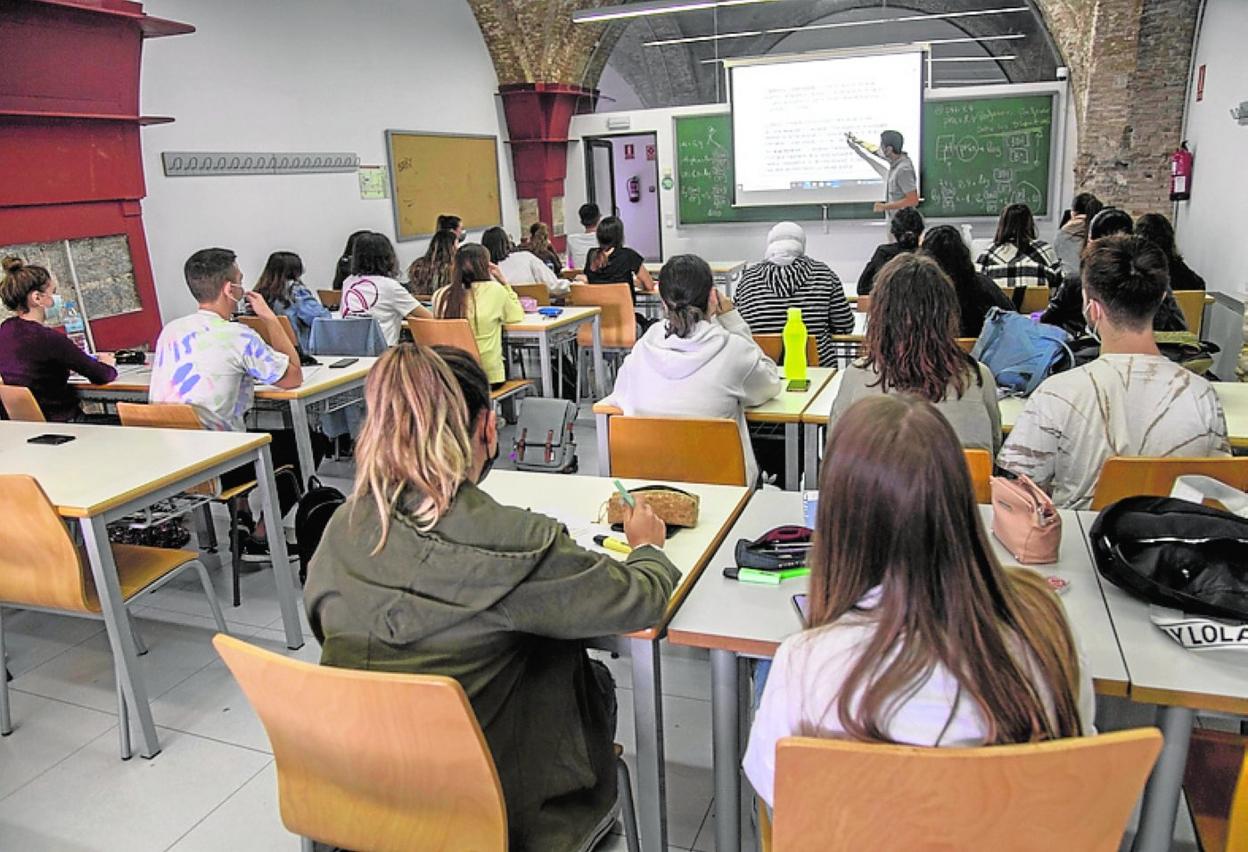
[(717, 371)]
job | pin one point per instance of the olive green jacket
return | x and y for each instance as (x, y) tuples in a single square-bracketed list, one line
[(501, 599)]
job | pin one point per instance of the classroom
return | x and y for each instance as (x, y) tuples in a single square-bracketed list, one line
[(620, 425)]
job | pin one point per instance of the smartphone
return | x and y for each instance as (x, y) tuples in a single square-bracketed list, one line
[(803, 609), (343, 362), (54, 440), (799, 386)]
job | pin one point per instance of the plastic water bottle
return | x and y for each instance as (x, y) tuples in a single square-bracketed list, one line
[(75, 326), (794, 347)]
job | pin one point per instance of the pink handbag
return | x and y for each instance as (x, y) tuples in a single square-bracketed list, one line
[(1025, 520)]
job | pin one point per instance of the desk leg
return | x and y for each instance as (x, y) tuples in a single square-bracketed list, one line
[(648, 716), (1161, 793), (725, 683), (303, 439), (283, 571), (548, 384), (791, 440), (604, 445), (600, 370), (812, 457), (120, 639)]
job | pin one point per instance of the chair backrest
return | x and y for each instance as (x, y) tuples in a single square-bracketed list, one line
[(773, 347), (1192, 304), (261, 328), (539, 293), (1216, 785), (20, 404), (167, 415), (618, 322), (357, 336), (1133, 476), (1034, 299), (863, 305), (980, 464), (1066, 794), (676, 449), (39, 564), (570, 274), (384, 761), (444, 332), (330, 298), (967, 343)]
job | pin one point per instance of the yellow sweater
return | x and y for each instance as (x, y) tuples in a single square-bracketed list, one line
[(490, 306)]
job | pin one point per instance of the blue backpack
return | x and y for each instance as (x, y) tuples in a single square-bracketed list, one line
[(1021, 353)]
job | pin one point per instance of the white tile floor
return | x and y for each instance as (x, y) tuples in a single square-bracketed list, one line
[(213, 786)]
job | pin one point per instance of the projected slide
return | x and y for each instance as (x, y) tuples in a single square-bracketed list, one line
[(790, 119)]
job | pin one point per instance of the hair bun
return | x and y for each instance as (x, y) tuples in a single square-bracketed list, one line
[(12, 263)]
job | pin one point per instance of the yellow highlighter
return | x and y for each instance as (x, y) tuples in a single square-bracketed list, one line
[(613, 544)]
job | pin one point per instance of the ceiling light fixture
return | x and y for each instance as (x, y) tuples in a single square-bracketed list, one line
[(926, 41), (653, 7)]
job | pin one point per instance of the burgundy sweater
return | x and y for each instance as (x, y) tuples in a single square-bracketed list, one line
[(36, 357)]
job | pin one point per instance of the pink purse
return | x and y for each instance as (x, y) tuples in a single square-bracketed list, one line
[(1025, 520)]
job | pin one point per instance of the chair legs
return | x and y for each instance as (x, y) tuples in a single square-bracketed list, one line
[(140, 647), (205, 530), (628, 810), (6, 720), (123, 716), (306, 844), (236, 553), (213, 603)]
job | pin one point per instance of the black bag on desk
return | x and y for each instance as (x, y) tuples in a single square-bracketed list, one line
[(544, 438)]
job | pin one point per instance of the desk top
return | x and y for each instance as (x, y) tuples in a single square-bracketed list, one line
[(1163, 671), (718, 267), (753, 619), (538, 323), (577, 500), (108, 466), (820, 408), (789, 406), (318, 379)]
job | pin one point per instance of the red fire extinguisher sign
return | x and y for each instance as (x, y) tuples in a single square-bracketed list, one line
[(1181, 173)]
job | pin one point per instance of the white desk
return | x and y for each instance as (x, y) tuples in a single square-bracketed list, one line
[(545, 331), (734, 620), (579, 498), (107, 472), (324, 390)]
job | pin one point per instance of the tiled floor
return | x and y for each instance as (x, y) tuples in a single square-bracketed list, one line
[(213, 786)]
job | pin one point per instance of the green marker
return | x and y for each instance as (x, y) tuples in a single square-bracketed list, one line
[(629, 499), (770, 578)]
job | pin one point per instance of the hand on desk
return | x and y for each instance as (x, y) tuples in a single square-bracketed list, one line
[(642, 526), (106, 358), (878, 207)]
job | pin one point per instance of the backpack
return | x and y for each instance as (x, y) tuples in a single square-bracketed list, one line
[(544, 441), (1019, 352), (316, 506)]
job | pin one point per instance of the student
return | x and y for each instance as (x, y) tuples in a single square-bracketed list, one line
[(910, 348), (433, 271), (790, 278), (1017, 258), (372, 289), (1157, 228), (421, 572), (486, 304), (580, 244), (539, 245), (1131, 401), (343, 267), (916, 634), (701, 362), (905, 229), (1072, 236), (281, 285), (976, 292), (33, 355), (611, 262), (447, 222), (520, 267)]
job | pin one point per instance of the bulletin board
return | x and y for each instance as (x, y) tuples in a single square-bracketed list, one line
[(436, 173)]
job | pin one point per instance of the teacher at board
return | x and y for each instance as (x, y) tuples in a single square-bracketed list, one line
[(901, 184)]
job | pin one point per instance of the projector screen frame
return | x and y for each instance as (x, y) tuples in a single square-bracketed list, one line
[(922, 48)]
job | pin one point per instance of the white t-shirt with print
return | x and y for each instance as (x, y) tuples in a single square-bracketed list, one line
[(214, 365), (384, 299)]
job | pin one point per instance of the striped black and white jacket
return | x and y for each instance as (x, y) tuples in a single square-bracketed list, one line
[(767, 290)]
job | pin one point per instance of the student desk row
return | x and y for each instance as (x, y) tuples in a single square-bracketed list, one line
[(108, 472)]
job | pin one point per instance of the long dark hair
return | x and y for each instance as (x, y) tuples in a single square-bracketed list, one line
[(343, 268), (911, 336), (374, 255), (539, 239), (913, 530), (945, 245), (472, 264), (610, 236), (1157, 228), (497, 243), (1016, 226), (282, 268), (685, 284), (1086, 204), (906, 228), (434, 270), (1109, 221)]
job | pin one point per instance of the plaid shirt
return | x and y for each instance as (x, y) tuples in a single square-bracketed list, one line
[(1035, 266)]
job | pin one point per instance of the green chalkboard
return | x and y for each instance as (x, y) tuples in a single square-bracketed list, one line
[(978, 155)]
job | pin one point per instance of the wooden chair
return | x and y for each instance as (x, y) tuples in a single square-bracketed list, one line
[(539, 293), (680, 449), (331, 299), (966, 343), (1130, 476), (617, 324), (20, 404), (773, 347), (845, 348), (458, 333), (863, 305), (1074, 793), (42, 568), (1034, 299), (261, 328), (980, 464), (1216, 785), (1192, 304), (570, 274), (388, 762)]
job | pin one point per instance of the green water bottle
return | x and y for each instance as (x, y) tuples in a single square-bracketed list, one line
[(794, 347)]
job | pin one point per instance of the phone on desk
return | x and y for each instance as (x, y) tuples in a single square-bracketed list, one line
[(798, 386), (803, 608), (343, 362), (54, 440)]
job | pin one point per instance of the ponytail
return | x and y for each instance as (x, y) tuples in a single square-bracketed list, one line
[(20, 280)]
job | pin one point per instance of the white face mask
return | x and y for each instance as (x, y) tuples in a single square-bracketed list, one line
[(1087, 318)]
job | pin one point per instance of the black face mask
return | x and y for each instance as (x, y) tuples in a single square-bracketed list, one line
[(489, 464)]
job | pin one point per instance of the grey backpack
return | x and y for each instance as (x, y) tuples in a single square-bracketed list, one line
[(544, 440)]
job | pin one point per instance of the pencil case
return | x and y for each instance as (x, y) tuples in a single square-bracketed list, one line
[(777, 549), (674, 507)]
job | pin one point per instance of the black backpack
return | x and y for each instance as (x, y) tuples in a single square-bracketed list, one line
[(316, 506)]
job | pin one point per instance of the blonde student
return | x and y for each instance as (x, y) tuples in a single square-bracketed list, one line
[(487, 305)]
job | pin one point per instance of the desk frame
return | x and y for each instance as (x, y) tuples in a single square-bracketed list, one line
[(558, 333)]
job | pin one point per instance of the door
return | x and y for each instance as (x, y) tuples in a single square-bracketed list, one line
[(600, 175)]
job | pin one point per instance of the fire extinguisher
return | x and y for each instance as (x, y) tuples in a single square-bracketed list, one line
[(634, 189), (1181, 173)]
